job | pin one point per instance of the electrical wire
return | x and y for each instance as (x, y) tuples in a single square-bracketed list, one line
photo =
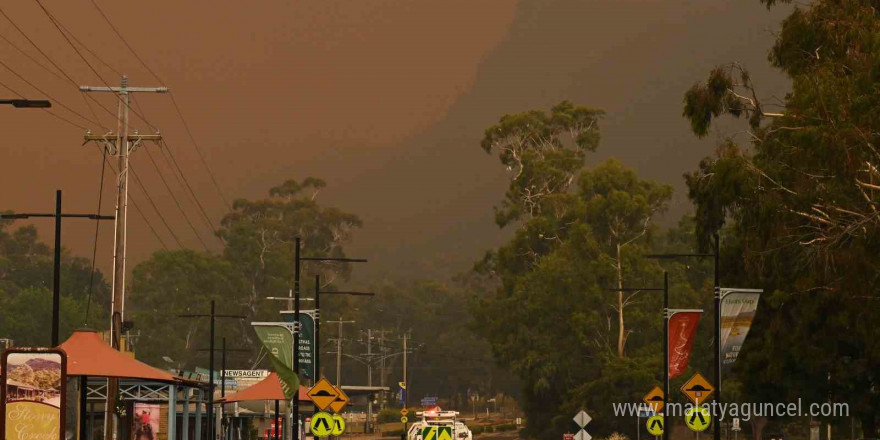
[(58, 26), (138, 209), (57, 101), (51, 61), (181, 179), (158, 212), (173, 197), (97, 228), (173, 102), (45, 109)]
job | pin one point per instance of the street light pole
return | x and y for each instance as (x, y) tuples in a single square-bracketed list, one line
[(294, 431), (666, 316), (716, 256), (56, 274), (213, 315)]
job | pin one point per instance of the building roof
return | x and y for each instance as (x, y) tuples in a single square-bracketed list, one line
[(266, 389), (89, 355)]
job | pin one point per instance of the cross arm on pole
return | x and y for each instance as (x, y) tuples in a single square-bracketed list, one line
[(50, 215), (348, 293), (671, 256), (346, 260), (123, 89), (637, 289)]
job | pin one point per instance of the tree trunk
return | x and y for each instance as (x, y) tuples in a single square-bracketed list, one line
[(869, 426), (621, 334), (758, 424)]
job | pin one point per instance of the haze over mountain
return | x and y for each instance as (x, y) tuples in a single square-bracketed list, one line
[(385, 100)]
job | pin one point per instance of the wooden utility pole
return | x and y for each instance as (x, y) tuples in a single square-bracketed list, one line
[(120, 144)]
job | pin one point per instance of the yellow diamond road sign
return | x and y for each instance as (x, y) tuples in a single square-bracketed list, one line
[(323, 394), (697, 418), (654, 399), (655, 425), (340, 402), (404, 412), (322, 424), (697, 389)]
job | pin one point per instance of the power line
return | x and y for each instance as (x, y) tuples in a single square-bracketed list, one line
[(181, 179), (173, 197), (51, 61), (159, 213), (95, 245), (45, 109), (57, 101), (137, 208), (173, 102), (58, 26)]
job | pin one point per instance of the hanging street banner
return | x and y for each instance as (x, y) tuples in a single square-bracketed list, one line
[(34, 389), (682, 326), (306, 340), (738, 308), (277, 337)]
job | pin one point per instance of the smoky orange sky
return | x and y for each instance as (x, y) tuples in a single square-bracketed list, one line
[(386, 100)]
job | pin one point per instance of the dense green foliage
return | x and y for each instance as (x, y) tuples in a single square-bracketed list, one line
[(554, 320), (26, 267), (800, 203)]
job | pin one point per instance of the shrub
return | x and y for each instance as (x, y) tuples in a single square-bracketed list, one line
[(389, 415)]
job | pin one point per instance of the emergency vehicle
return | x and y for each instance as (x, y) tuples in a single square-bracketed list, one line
[(437, 418)]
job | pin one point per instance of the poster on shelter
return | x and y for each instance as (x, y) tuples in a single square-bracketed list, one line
[(145, 423), (32, 394)]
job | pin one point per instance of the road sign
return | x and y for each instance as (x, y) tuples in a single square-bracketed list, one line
[(654, 399), (697, 389), (340, 402), (582, 435), (323, 394), (429, 401), (322, 424), (402, 385), (697, 418), (735, 425), (582, 418), (655, 425), (567, 436), (338, 425), (404, 419), (404, 412), (519, 420)]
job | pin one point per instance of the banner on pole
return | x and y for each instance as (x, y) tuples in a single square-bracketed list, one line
[(278, 340), (307, 345), (682, 327), (738, 307)]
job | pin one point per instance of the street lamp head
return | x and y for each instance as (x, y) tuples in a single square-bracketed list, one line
[(29, 103)]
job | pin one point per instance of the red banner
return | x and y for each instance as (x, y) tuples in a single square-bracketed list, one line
[(682, 327)]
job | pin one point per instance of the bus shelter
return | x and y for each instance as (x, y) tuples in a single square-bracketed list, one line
[(91, 362)]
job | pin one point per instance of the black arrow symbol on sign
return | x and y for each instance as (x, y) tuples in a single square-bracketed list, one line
[(655, 423)]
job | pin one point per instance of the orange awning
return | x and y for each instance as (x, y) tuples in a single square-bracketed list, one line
[(266, 389), (89, 355)]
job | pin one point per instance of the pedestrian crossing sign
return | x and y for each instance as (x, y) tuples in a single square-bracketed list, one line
[(697, 418)]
